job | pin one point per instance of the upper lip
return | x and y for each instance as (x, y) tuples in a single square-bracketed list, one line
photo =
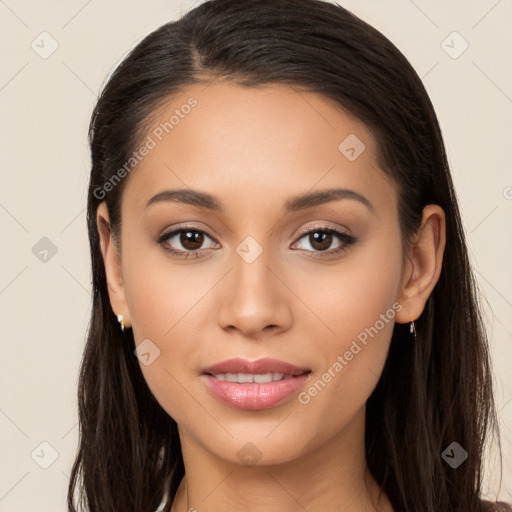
[(259, 366)]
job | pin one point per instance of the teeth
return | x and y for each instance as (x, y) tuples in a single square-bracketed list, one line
[(250, 378)]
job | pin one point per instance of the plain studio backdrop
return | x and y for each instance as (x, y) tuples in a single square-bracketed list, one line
[(56, 56)]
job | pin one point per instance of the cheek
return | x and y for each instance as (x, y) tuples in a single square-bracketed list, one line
[(161, 292), (358, 303), (351, 296), (167, 305)]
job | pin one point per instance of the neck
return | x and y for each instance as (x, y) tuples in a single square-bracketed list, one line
[(327, 478)]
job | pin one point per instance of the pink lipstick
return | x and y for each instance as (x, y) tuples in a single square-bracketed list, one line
[(252, 385)]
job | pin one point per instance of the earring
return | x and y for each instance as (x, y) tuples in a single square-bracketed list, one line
[(412, 329), (120, 319)]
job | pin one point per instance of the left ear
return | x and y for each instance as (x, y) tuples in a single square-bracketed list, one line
[(423, 264)]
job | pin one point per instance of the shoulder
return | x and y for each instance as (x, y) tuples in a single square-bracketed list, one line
[(496, 506)]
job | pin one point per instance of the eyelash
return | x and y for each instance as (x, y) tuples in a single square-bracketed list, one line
[(344, 238)]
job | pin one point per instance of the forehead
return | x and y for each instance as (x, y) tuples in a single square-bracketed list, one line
[(254, 144)]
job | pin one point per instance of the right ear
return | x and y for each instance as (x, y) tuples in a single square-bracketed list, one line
[(112, 262)]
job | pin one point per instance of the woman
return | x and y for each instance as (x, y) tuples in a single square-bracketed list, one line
[(284, 315)]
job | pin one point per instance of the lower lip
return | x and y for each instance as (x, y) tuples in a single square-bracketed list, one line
[(251, 395)]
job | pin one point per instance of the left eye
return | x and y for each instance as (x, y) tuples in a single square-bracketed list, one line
[(320, 240)]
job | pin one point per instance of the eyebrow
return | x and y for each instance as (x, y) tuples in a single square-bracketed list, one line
[(297, 203)]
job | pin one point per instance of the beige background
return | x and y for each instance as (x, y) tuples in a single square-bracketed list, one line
[(46, 104)]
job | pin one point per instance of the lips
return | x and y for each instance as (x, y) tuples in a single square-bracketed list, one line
[(252, 385), (258, 367)]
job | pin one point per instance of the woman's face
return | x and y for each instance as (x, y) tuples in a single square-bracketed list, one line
[(259, 276)]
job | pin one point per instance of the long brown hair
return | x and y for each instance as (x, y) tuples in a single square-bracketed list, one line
[(432, 392)]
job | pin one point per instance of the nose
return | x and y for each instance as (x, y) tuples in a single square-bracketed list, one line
[(253, 299)]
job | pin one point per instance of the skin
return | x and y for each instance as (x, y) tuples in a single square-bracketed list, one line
[(254, 149)]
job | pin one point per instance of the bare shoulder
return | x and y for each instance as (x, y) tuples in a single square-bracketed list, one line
[(496, 506)]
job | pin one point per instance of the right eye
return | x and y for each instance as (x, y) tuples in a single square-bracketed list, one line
[(191, 241)]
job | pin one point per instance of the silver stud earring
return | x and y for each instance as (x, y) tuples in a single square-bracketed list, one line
[(412, 329), (120, 319)]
